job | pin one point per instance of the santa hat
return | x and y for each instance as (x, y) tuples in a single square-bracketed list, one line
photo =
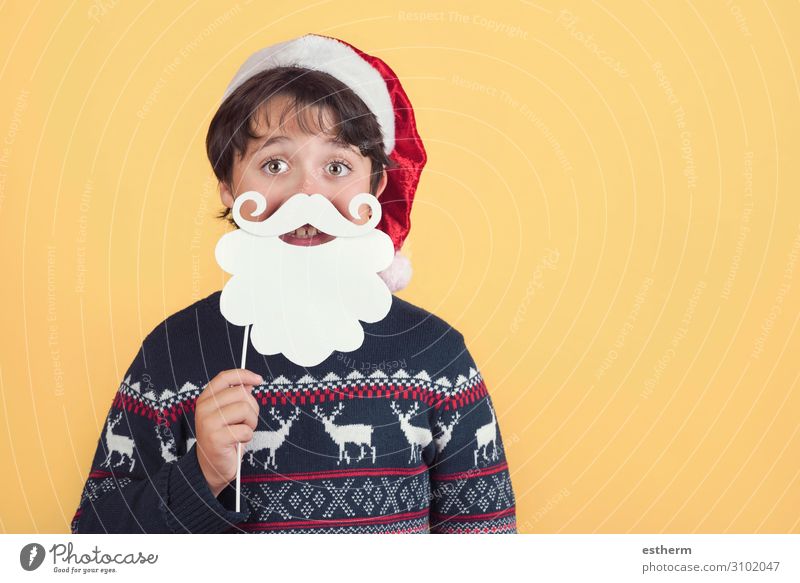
[(377, 85)]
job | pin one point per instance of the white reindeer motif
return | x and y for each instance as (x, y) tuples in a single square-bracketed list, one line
[(271, 440), (418, 437), (121, 444), (358, 434), (485, 435), (167, 445), (447, 433)]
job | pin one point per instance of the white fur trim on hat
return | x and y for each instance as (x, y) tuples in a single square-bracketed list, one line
[(335, 58), (398, 274)]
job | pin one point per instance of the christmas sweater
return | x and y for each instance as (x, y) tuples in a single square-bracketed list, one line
[(399, 436)]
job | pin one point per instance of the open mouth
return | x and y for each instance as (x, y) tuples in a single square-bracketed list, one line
[(306, 236)]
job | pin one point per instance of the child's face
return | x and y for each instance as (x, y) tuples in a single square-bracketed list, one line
[(284, 161)]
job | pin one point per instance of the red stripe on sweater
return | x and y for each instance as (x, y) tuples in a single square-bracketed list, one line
[(106, 474), (432, 398), (465, 475)]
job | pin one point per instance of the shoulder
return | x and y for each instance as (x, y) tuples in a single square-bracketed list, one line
[(430, 340), (185, 321), (407, 317), (180, 343)]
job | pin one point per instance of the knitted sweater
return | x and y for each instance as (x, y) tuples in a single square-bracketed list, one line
[(399, 436)]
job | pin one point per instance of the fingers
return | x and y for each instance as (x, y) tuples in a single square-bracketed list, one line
[(243, 393), (234, 376), (231, 435), (234, 414), (242, 434)]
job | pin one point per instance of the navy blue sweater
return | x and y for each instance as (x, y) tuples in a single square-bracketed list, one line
[(399, 436)]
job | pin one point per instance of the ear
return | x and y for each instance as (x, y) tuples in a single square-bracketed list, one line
[(382, 184), (225, 195)]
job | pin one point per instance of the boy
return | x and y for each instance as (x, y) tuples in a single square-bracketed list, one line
[(399, 435)]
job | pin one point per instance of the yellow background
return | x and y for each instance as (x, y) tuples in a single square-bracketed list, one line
[(609, 214)]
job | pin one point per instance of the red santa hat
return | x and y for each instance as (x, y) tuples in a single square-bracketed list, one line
[(380, 89)]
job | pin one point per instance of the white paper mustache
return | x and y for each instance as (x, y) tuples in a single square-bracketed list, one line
[(300, 209)]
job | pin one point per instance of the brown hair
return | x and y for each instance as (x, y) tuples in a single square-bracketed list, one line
[(232, 127)]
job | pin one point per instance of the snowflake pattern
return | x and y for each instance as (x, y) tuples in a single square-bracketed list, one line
[(328, 499)]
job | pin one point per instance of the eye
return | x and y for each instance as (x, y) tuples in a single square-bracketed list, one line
[(275, 166), (339, 168)]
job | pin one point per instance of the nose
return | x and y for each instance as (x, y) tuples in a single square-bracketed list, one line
[(312, 183), (309, 181), (303, 180)]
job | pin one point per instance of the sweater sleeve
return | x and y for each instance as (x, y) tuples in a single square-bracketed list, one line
[(471, 488), (137, 484)]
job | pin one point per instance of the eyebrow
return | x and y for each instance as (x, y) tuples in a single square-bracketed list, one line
[(341, 144)]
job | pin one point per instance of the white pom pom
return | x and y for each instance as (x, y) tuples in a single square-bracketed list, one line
[(398, 274)]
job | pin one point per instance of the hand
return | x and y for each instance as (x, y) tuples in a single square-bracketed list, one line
[(226, 414)]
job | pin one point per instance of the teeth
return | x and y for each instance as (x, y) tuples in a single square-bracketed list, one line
[(305, 232)]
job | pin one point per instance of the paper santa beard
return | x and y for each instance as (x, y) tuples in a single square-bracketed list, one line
[(305, 301)]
